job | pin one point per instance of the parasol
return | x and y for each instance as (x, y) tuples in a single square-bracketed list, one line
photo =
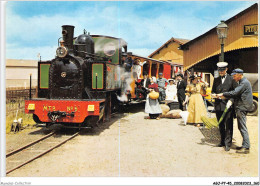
[(213, 122)]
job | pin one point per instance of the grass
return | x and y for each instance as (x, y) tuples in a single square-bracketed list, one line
[(11, 116)]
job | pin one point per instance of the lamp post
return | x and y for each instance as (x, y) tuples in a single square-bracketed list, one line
[(222, 29)]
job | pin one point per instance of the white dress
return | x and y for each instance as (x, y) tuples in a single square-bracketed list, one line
[(138, 70), (171, 93)]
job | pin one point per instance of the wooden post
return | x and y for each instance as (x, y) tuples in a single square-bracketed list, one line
[(150, 70), (30, 95), (157, 71), (142, 70)]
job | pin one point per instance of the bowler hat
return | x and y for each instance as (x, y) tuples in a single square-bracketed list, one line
[(180, 75), (192, 77), (237, 71)]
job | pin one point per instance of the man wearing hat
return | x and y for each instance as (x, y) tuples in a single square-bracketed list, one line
[(224, 83), (161, 85), (243, 103), (181, 86)]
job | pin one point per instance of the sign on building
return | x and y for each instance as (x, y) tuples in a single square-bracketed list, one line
[(250, 29)]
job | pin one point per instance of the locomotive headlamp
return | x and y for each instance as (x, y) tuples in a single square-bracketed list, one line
[(31, 106), (61, 51), (91, 108)]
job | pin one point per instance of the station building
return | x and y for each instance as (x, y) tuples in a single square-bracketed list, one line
[(170, 52), (18, 73), (200, 55), (240, 48)]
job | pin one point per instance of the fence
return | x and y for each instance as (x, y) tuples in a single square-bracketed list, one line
[(15, 99)]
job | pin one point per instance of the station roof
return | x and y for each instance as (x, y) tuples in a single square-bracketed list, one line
[(207, 45), (177, 40), (155, 60), (183, 46)]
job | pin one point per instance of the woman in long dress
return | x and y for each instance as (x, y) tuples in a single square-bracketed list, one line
[(152, 106), (196, 106)]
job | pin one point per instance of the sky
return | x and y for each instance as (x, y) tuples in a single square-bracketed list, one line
[(33, 27)]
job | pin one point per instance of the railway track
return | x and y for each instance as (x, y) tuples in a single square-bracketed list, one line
[(30, 152)]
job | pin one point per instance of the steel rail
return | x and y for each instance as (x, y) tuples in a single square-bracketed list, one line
[(17, 167), (28, 145)]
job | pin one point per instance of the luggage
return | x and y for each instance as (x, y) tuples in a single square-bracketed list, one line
[(173, 105), (154, 95), (174, 114)]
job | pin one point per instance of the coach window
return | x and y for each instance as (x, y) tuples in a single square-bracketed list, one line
[(161, 68), (146, 68), (154, 69)]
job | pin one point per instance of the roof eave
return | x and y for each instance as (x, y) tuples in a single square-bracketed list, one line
[(166, 43), (185, 46)]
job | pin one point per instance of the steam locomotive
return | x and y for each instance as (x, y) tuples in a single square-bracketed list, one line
[(83, 84), (79, 87)]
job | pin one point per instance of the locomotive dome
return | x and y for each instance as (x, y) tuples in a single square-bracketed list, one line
[(84, 43), (84, 39)]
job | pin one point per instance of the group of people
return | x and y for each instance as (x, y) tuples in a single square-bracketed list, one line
[(226, 90), (171, 90), (179, 92), (232, 92)]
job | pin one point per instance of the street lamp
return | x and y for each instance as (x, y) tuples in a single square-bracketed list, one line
[(222, 29)]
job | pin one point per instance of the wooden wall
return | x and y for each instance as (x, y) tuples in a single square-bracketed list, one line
[(171, 52), (208, 45)]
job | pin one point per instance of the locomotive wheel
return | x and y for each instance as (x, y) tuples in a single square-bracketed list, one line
[(90, 121), (107, 114), (114, 103), (36, 119)]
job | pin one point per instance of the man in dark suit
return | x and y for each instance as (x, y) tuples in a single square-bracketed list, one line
[(224, 83), (181, 86), (142, 87)]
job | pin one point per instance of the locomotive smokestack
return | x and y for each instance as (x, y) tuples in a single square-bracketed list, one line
[(67, 35)]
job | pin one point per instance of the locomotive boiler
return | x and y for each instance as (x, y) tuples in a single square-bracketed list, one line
[(79, 87)]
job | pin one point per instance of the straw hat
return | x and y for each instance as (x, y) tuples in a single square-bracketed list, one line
[(194, 77)]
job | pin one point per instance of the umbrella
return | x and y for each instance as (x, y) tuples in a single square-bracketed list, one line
[(213, 122)]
